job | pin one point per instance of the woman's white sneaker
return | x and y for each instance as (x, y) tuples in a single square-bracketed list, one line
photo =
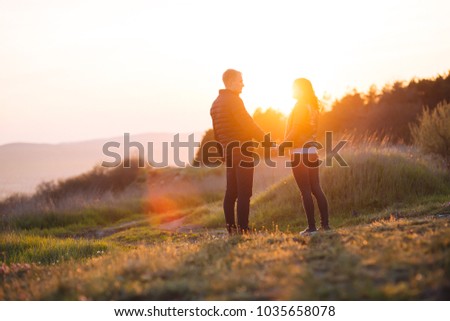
[(308, 232)]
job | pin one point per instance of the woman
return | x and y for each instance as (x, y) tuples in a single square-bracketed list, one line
[(301, 130)]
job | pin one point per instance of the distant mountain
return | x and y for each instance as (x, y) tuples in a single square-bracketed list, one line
[(24, 165)]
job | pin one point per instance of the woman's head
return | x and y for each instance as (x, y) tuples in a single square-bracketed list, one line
[(303, 91)]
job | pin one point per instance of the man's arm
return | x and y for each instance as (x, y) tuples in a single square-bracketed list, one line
[(246, 122)]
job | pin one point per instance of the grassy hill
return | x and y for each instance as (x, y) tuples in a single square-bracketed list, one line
[(160, 236), (23, 166)]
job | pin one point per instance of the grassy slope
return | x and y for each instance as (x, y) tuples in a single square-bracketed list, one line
[(396, 259), (389, 243), (376, 183)]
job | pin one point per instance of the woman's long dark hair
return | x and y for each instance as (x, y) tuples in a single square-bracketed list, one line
[(304, 92)]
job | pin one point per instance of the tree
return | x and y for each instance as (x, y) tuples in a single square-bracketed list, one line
[(386, 113), (212, 148)]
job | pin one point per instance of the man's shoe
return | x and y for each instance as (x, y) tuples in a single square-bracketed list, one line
[(308, 232), (245, 231), (325, 228), (232, 230)]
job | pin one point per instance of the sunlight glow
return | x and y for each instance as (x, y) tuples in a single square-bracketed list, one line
[(136, 65)]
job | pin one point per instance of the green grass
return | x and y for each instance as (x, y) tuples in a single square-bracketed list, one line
[(146, 235), (27, 248), (68, 222)]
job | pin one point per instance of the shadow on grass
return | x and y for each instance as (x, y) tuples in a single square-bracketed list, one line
[(189, 280), (332, 272)]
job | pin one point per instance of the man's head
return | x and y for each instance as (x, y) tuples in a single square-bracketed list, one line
[(232, 80)]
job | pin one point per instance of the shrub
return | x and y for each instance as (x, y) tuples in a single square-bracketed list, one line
[(432, 133)]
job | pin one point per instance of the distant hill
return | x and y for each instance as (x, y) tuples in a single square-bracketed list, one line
[(24, 165)]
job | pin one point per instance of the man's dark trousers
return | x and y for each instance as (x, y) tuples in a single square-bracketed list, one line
[(239, 188)]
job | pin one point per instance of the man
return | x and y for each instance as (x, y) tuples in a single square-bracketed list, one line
[(233, 126)]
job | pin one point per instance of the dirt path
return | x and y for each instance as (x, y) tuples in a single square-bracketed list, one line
[(104, 232), (178, 227), (175, 226)]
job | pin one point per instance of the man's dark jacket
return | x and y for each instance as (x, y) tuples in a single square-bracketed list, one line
[(231, 121)]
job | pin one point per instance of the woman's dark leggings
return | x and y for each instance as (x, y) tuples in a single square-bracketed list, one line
[(306, 173)]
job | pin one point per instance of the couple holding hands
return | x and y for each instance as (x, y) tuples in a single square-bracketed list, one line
[(232, 123)]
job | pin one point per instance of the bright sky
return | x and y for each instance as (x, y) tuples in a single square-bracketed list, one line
[(74, 70)]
